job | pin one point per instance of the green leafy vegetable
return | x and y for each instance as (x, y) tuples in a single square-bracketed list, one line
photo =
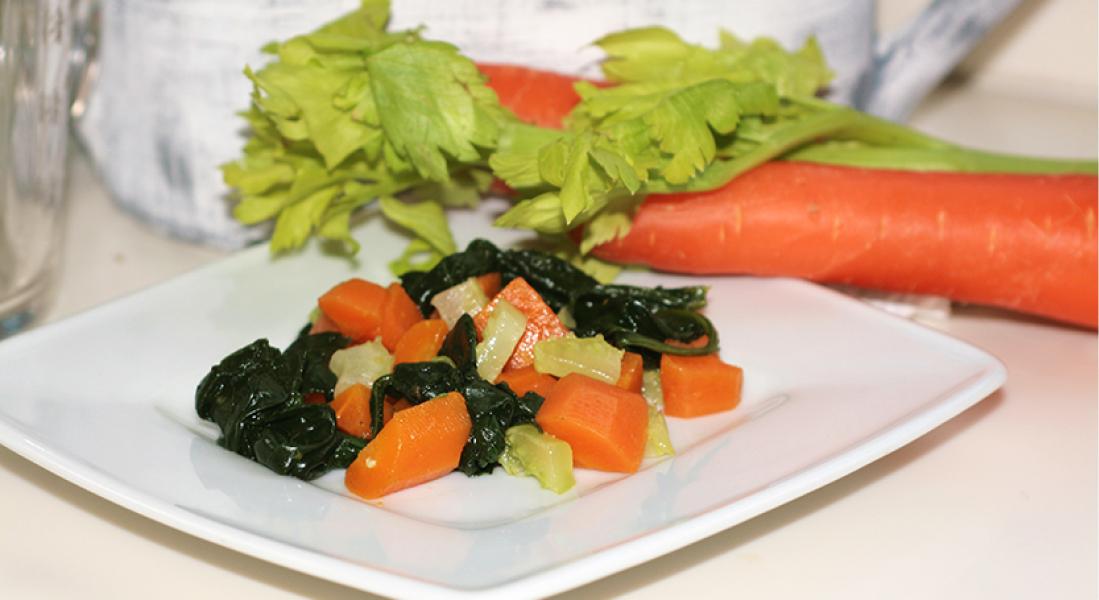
[(688, 118), (256, 398), (629, 317), (426, 219), (460, 345), (309, 356), (493, 409), (351, 113), (479, 257)]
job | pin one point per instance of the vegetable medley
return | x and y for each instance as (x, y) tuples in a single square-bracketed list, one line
[(510, 358)]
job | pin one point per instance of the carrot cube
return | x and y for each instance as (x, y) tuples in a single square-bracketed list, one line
[(356, 307), (699, 385), (542, 322), (633, 368), (352, 407), (398, 314), (604, 424), (421, 342), (526, 380)]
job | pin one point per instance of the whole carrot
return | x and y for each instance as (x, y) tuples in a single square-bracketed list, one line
[(1023, 242), (537, 97)]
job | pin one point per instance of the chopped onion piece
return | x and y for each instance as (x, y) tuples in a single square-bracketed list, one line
[(363, 364), (465, 298)]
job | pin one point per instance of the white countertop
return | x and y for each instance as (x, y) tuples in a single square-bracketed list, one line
[(999, 502)]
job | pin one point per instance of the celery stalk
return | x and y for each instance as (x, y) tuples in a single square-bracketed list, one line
[(363, 364), (592, 356), (503, 331), (539, 455), (657, 440)]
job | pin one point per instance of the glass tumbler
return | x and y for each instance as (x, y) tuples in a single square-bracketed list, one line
[(43, 50)]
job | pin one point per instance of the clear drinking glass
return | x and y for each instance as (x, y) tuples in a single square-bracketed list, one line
[(43, 49)]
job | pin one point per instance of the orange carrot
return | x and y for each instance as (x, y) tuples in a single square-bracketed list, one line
[(489, 283), (421, 342), (632, 369), (538, 97), (398, 314), (1022, 242), (526, 380), (419, 444), (352, 407), (401, 404), (698, 385), (355, 306), (542, 322), (605, 425)]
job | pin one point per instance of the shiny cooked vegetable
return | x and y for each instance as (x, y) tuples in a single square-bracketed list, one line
[(575, 399)]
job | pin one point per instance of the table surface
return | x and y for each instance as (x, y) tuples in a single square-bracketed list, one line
[(999, 502)]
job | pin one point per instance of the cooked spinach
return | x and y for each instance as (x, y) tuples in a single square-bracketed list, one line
[(309, 355), (460, 345), (256, 398), (479, 257), (557, 281), (642, 323), (630, 317), (492, 409), (415, 382)]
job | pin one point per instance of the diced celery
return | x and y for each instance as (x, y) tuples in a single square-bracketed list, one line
[(502, 333), (528, 451), (363, 364), (651, 389), (592, 356), (315, 314), (657, 440), (453, 302)]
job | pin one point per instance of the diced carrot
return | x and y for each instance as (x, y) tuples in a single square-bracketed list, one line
[(632, 370), (542, 322), (400, 405), (322, 324), (526, 380), (356, 307), (604, 424), (421, 443), (352, 408), (490, 284), (698, 385), (398, 314), (421, 342)]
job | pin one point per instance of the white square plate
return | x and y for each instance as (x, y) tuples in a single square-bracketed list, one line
[(105, 400)]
